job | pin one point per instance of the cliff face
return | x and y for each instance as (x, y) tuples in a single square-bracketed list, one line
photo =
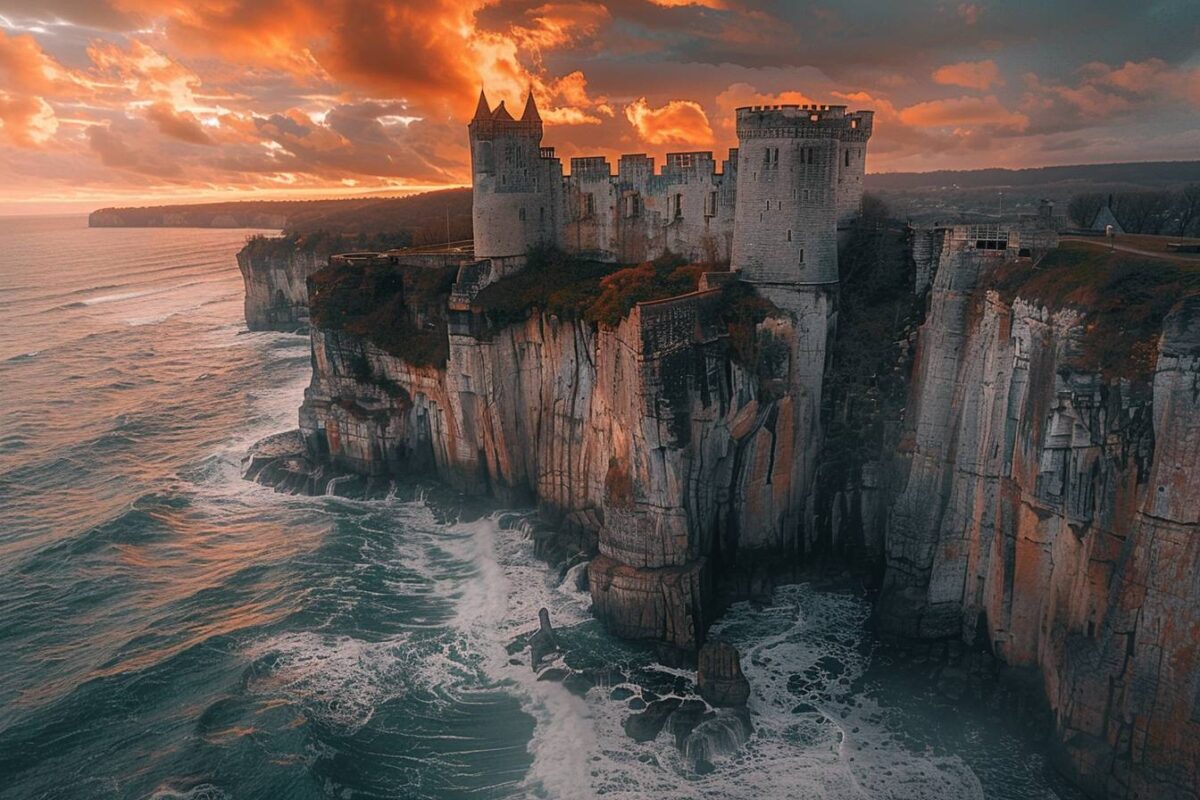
[(1042, 500), (276, 285), (1054, 510), (646, 439)]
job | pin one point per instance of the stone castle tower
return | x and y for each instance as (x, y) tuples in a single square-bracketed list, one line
[(800, 177), (773, 209), (517, 184)]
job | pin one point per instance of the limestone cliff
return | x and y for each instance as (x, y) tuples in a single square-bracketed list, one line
[(1050, 504), (276, 278), (646, 440)]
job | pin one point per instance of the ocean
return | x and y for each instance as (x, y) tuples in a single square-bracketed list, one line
[(169, 630)]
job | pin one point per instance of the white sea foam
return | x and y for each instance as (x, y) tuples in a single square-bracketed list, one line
[(113, 298), (203, 791), (337, 680), (819, 741)]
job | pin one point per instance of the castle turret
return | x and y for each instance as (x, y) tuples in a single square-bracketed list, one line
[(852, 165), (517, 182), (799, 174)]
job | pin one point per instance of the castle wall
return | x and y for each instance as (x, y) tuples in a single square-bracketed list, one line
[(796, 178), (637, 215)]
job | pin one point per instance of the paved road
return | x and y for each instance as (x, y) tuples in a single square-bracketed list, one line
[(1179, 258)]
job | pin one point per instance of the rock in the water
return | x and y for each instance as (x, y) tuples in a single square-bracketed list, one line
[(646, 725), (543, 643), (685, 719), (719, 675)]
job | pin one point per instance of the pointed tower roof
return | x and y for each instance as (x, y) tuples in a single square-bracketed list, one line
[(501, 113), (482, 111), (531, 113)]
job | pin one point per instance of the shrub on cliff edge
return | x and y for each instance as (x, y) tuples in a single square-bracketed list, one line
[(574, 288), (1123, 299), (400, 309)]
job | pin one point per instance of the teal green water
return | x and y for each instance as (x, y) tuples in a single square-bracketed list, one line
[(168, 630)]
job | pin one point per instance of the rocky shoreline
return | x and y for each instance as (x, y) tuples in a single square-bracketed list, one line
[(1009, 493)]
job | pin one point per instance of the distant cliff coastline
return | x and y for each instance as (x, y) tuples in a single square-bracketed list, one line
[(414, 219)]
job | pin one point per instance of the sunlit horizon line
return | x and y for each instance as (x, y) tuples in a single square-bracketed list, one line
[(66, 204), (12, 207)]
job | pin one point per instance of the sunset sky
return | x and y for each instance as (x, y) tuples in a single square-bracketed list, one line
[(152, 101)]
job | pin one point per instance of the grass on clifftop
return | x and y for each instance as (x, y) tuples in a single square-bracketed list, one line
[(383, 303), (572, 288), (1123, 299), (322, 244)]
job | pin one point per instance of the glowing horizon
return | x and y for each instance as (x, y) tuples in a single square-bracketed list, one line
[(151, 102)]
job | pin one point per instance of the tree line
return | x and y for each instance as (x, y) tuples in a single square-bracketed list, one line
[(1156, 212)]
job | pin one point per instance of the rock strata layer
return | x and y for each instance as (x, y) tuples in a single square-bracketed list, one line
[(1052, 515), (647, 438), (276, 285), (719, 675)]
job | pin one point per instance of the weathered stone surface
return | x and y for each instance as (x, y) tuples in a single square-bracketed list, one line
[(719, 675), (1056, 514), (646, 725), (276, 286), (543, 643), (668, 604), (625, 438)]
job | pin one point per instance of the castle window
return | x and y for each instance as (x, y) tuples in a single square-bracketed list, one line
[(810, 154), (485, 162), (853, 123), (542, 214), (789, 235), (589, 204), (521, 214), (847, 158), (801, 255), (678, 205), (631, 206), (710, 205)]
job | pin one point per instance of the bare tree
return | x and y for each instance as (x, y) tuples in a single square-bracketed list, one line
[(1189, 207), (1083, 208), (1143, 212)]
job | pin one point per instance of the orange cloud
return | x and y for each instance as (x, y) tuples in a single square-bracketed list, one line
[(981, 75), (180, 125), (719, 5), (962, 113), (26, 119), (677, 122)]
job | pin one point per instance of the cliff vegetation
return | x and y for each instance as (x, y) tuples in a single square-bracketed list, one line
[(397, 308), (574, 288), (1123, 299)]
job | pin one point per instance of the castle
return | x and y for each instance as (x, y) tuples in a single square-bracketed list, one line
[(772, 211)]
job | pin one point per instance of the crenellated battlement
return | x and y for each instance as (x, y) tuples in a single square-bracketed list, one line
[(803, 121), (794, 179)]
